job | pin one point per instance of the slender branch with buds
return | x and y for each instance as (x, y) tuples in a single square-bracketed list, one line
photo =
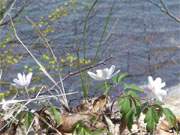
[(163, 7)]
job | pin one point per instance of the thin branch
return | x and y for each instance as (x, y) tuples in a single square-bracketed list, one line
[(15, 16), (169, 13), (85, 28), (86, 68), (163, 7), (37, 115), (105, 27), (82, 70), (42, 68), (42, 36), (38, 98), (7, 12)]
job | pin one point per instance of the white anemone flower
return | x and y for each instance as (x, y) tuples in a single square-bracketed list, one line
[(156, 86), (104, 74), (22, 80)]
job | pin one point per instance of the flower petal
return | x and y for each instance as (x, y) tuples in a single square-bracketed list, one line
[(21, 79), (163, 92), (150, 80), (105, 73), (28, 78), (158, 81), (163, 84), (159, 97), (110, 71), (156, 87), (114, 74), (17, 82), (24, 79), (93, 75), (20, 76), (99, 73)]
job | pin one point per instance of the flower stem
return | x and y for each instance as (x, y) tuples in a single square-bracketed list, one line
[(106, 88), (27, 92)]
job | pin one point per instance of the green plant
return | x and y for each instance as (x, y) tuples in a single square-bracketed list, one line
[(130, 108), (81, 129)]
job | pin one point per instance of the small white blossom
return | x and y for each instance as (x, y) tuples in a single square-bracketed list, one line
[(104, 74), (22, 80), (156, 86)]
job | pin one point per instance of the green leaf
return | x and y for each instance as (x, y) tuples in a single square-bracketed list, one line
[(130, 118), (136, 102), (171, 118), (133, 94), (28, 119), (107, 87), (124, 104), (127, 111), (55, 114), (132, 87), (151, 119), (159, 109), (2, 11), (119, 78), (2, 95), (81, 129)]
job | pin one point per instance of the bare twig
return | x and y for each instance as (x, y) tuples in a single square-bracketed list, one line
[(168, 12), (82, 70), (86, 68), (42, 36), (15, 16), (29, 128), (163, 7), (85, 29), (37, 115), (27, 102), (7, 12), (39, 98), (42, 68)]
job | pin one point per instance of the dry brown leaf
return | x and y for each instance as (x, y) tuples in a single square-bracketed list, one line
[(100, 125), (164, 125), (178, 119), (69, 120), (85, 106), (94, 105), (42, 114), (99, 104), (163, 132)]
